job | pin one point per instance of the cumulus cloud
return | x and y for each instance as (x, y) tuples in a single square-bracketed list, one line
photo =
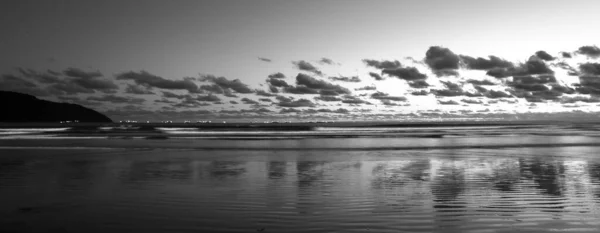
[(448, 102), (150, 80), (485, 64), (235, 85), (306, 66), (167, 94), (440, 58), (309, 85), (421, 92), (78, 73), (296, 103), (366, 88), (566, 54), (544, 55), (408, 73), (326, 61), (208, 98), (264, 59), (382, 64), (116, 99), (480, 82), (249, 101), (376, 76), (471, 101), (277, 82), (590, 51), (13, 83), (301, 89), (384, 96), (277, 75), (590, 68), (534, 65), (353, 79), (138, 90), (264, 93)]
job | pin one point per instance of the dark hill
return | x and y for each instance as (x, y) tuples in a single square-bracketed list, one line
[(17, 107)]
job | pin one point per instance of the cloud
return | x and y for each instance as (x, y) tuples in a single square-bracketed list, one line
[(10, 82), (301, 89), (249, 101), (408, 73), (445, 72), (235, 85), (353, 100), (382, 64), (449, 102), (565, 55), (534, 65), (496, 94), (289, 110), (471, 101), (366, 88), (265, 100), (544, 55), (46, 78), (590, 51), (273, 89), (326, 61), (208, 98), (376, 76), (328, 98), (480, 82), (150, 80), (384, 96), (265, 59), (312, 83), (296, 103), (78, 73), (167, 94), (264, 93), (353, 79), (213, 88), (589, 84), (138, 90), (116, 99), (418, 84), (306, 66), (421, 92), (277, 75), (485, 64), (440, 58), (277, 82), (575, 99), (590, 68)]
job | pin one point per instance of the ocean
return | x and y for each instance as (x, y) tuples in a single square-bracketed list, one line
[(308, 177)]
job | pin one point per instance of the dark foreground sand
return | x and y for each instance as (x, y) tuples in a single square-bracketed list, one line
[(531, 189)]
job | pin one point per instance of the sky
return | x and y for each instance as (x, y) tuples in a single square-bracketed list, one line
[(273, 60)]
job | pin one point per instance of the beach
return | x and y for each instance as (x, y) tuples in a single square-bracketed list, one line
[(533, 183)]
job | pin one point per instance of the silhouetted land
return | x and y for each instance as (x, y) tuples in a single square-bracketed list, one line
[(17, 107)]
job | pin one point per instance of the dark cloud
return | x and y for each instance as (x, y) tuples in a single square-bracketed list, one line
[(228, 93), (46, 78), (249, 101), (480, 82), (376, 76), (440, 58), (296, 103), (565, 55), (68, 88), (289, 110), (150, 80), (575, 99), (535, 89), (590, 51), (590, 68), (213, 88), (479, 88), (300, 89), (449, 102), (316, 84), (544, 55), (384, 96), (277, 75), (421, 92), (306, 66), (10, 82), (208, 98), (273, 89), (534, 65), (265, 100), (328, 98), (445, 72), (277, 82), (78, 73), (265, 59), (264, 93), (589, 84), (418, 84), (366, 88), (326, 61), (382, 64), (353, 100), (408, 73), (235, 85), (138, 90), (353, 79), (471, 101), (116, 99), (485, 64), (164, 101), (167, 94)]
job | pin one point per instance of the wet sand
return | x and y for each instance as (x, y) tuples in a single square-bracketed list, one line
[(528, 189)]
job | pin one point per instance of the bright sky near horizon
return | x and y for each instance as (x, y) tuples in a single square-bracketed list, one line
[(178, 39)]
